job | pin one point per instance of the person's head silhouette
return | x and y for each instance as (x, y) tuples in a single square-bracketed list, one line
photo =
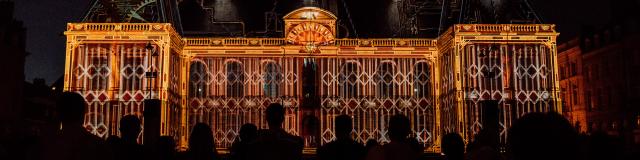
[(275, 115), (130, 128), (166, 148), (201, 139), (453, 146), (542, 136), (399, 127), (248, 132), (114, 142), (372, 143), (604, 146), (71, 109), (343, 127)]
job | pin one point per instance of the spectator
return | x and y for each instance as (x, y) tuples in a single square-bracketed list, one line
[(546, 136), (166, 149), (129, 148), (73, 141), (275, 143), (401, 147), (201, 144), (452, 146), (343, 148), (240, 147)]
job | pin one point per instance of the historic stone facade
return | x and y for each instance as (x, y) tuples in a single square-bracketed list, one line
[(226, 82), (598, 82)]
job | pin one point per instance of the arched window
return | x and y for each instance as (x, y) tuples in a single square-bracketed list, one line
[(272, 79), (198, 80), (348, 80), (235, 79), (385, 73), (421, 80)]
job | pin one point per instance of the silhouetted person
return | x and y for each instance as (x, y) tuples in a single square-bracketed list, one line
[(370, 144), (401, 147), (114, 142), (166, 149), (484, 146), (240, 147), (73, 141), (343, 148), (373, 150), (275, 143), (201, 144), (452, 146), (537, 136), (603, 146), (129, 148)]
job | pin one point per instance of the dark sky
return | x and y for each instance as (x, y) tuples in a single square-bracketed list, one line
[(46, 20), (570, 15)]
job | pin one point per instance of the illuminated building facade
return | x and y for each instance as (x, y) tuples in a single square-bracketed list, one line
[(598, 85), (226, 82), (571, 82)]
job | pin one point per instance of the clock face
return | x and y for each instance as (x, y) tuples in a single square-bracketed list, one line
[(308, 32), (143, 11)]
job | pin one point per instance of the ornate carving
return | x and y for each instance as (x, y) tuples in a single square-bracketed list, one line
[(310, 32)]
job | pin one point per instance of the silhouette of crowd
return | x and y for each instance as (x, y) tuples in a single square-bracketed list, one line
[(533, 136)]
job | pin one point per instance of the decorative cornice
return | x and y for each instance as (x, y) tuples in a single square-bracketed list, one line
[(281, 42)]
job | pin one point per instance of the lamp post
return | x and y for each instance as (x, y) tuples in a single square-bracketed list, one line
[(151, 74), (152, 105)]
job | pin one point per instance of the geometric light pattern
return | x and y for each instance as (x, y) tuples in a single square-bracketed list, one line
[(516, 70), (371, 90), (527, 81), (92, 73), (226, 82), (230, 91)]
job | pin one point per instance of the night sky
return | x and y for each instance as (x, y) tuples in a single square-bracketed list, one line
[(46, 20)]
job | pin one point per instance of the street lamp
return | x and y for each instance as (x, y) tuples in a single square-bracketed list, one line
[(151, 74), (152, 106)]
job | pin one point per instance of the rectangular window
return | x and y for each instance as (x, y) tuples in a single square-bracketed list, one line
[(573, 69), (562, 73), (588, 101), (596, 70), (587, 73), (563, 95), (574, 94), (599, 99)]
